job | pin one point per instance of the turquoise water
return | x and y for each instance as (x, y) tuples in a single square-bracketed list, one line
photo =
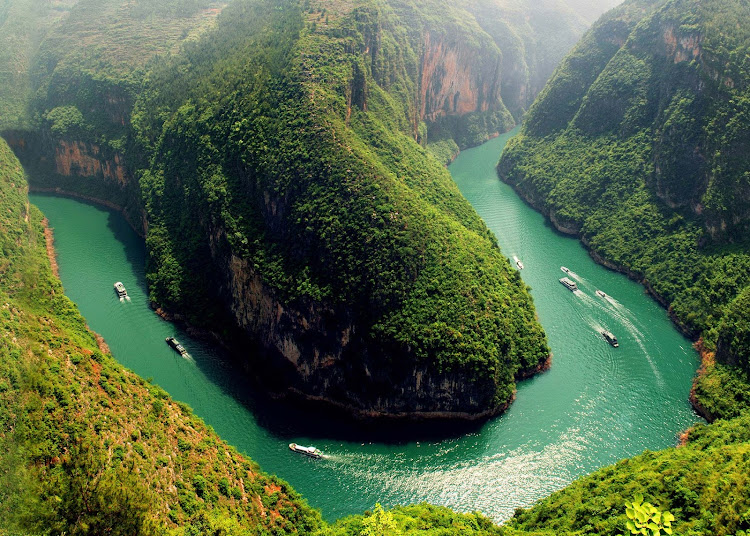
[(595, 406)]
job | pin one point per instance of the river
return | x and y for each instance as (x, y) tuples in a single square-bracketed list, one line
[(596, 405)]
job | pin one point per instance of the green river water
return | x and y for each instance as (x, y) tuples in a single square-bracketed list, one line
[(596, 405)]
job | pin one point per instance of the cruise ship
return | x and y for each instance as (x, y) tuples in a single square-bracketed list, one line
[(307, 451), (568, 283)]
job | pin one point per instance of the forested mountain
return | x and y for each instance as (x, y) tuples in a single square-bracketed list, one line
[(281, 163), (639, 144), (274, 154)]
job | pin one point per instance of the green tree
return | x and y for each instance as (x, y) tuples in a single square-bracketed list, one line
[(646, 519), (380, 523)]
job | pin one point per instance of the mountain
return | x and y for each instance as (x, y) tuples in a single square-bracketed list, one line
[(279, 159), (638, 145)]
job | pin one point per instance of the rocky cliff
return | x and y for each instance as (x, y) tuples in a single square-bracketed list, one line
[(359, 278), (456, 79)]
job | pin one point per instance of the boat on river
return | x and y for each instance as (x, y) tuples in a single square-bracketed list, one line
[(564, 269), (610, 338), (175, 344), (568, 283), (307, 451), (601, 294), (121, 292), (518, 262)]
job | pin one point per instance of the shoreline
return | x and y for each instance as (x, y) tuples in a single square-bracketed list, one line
[(49, 239), (90, 199), (697, 342)]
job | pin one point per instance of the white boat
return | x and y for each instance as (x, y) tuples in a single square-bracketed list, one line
[(518, 262), (564, 269), (601, 294), (610, 338), (569, 284), (120, 290), (307, 451)]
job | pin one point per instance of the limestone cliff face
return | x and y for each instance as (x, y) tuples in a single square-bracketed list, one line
[(315, 351), (82, 169), (83, 159), (457, 79)]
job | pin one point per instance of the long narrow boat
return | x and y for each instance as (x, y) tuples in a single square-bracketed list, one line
[(307, 451), (175, 344)]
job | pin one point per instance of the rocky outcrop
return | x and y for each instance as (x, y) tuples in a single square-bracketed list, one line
[(456, 79), (82, 159), (315, 352), (80, 169)]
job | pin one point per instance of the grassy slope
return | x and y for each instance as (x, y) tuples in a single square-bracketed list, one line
[(87, 446)]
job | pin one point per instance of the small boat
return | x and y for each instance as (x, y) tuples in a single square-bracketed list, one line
[(518, 262), (610, 338), (601, 294), (567, 271), (120, 291), (567, 283), (174, 343), (307, 451)]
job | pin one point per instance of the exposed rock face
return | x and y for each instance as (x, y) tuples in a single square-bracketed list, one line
[(458, 80), (77, 158), (315, 351), (81, 169)]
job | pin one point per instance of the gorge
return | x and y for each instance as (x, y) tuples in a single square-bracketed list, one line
[(595, 406)]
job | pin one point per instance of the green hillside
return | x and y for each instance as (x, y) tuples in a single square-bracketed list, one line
[(639, 145), (87, 447), (296, 152), (23, 27)]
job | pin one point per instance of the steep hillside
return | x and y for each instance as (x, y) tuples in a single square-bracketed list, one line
[(83, 78), (311, 224), (638, 144), (703, 484), (23, 26), (284, 179), (87, 447)]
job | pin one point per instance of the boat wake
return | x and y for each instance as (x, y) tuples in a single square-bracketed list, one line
[(622, 314)]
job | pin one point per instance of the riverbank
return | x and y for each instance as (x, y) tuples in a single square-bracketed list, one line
[(140, 231), (707, 357)]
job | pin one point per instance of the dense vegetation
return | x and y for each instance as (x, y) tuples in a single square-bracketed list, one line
[(639, 145), (298, 157), (87, 447), (307, 125), (23, 26)]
